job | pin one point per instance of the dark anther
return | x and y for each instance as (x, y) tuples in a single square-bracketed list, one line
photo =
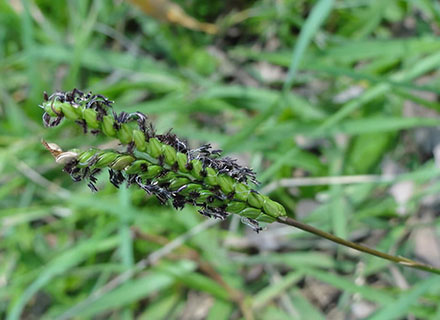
[(175, 167), (130, 147), (216, 152), (123, 117), (152, 188), (92, 186), (116, 124), (194, 195), (116, 177), (141, 120), (76, 92), (179, 202), (131, 179), (216, 213), (48, 122), (144, 167), (161, 160), (101, 112), (56, 112), (251, 223), (150, 132), (83, 124), (172, 140)]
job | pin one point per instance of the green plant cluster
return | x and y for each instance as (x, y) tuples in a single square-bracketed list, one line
[(357, 117), (160, 164)]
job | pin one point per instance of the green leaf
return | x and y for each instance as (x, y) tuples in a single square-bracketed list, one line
[(367, 292), (131, 291), (270, 292), (407, 299), (58, 266), (317, 16)]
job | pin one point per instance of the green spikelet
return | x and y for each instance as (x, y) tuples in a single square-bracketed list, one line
[(161, 165)]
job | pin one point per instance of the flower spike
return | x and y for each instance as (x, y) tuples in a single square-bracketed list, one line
[(160, 164)]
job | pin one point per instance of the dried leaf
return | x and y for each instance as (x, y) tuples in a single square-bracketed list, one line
[(168, 11)]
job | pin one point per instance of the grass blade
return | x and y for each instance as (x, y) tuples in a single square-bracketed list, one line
[(317, 17)]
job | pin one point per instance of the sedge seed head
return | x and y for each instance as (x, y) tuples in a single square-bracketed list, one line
[(160, 164)]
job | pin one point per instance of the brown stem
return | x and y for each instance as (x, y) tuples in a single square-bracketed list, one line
[(400, 260)]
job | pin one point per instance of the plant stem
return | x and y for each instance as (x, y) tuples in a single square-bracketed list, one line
[(396, 259)]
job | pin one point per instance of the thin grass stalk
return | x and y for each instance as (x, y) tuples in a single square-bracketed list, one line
[(359, 247)]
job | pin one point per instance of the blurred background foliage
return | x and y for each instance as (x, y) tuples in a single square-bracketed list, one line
[(300, 90)]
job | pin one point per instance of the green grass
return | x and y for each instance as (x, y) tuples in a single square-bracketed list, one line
[(296, 88)]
